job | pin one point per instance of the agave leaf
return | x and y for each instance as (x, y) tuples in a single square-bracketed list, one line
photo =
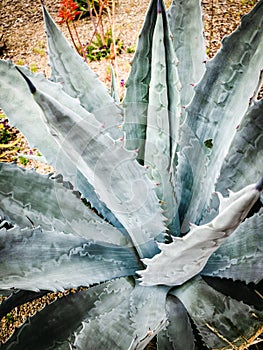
[(241, 256), (64, 261), (30, 121), (245, 156), (73, 144), (186, 256), (78, 80), (221, 321), (27, 117), (88, 192), (137, 100), (113, 87), (147, 312), (107, 324), (246, 152), (221, 99), (108, 331), (247, 293), (159, 138), (179, 324), (24, 196), (114, 327), (47, 330), (17, 298), (185, 22), (96, 154), (136, 97)]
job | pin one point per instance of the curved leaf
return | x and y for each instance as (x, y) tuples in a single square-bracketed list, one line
[(246, 152), (137, 102), (78, 80), (74, 144), (241, 256), (185, 22), (161, 133), (136, 97), (24, 194), (48, 330), (221, 321), (63, 261), (248, 293), (178, 334), (220, 101), (126, 325), (30, 120), (187, 256), (96, 154)]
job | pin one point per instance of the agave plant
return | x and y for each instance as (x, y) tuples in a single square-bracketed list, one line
[(115, 217)]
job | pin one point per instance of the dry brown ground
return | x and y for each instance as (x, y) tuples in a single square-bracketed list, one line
[(22, 29)]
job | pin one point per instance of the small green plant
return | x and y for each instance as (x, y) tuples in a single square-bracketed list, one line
[(131, 49), (9, 318), (39, 50), (249, 2), (23, 160), (102, 44), (97, 50), (5, 135), (33, 67), (20, 62), (86, 6)]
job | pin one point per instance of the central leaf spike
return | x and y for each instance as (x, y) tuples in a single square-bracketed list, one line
[(159, 6)]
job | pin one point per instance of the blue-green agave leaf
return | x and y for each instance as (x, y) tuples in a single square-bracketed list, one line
[(107, 325), (246, 152), (114, 87), (147, 312), (221, 320), (27, 196), (245, 156), (63, 261), (187, 256), (186, 25), (221, 99), (136, 97), (160, 136), (78, 80), (88, 192), (178, 334), (46, 330), (137, 101), (73, 144), (116, 321), (239, 290), (29, 120), (126, 188), (241, 256)]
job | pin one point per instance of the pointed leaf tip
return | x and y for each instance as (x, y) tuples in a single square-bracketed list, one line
[(259, 185), (159, 6), (31, 86)]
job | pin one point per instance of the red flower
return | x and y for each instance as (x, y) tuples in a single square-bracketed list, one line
[(68, 11)]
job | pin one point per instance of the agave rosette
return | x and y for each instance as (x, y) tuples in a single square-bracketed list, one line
[(147, 272)]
